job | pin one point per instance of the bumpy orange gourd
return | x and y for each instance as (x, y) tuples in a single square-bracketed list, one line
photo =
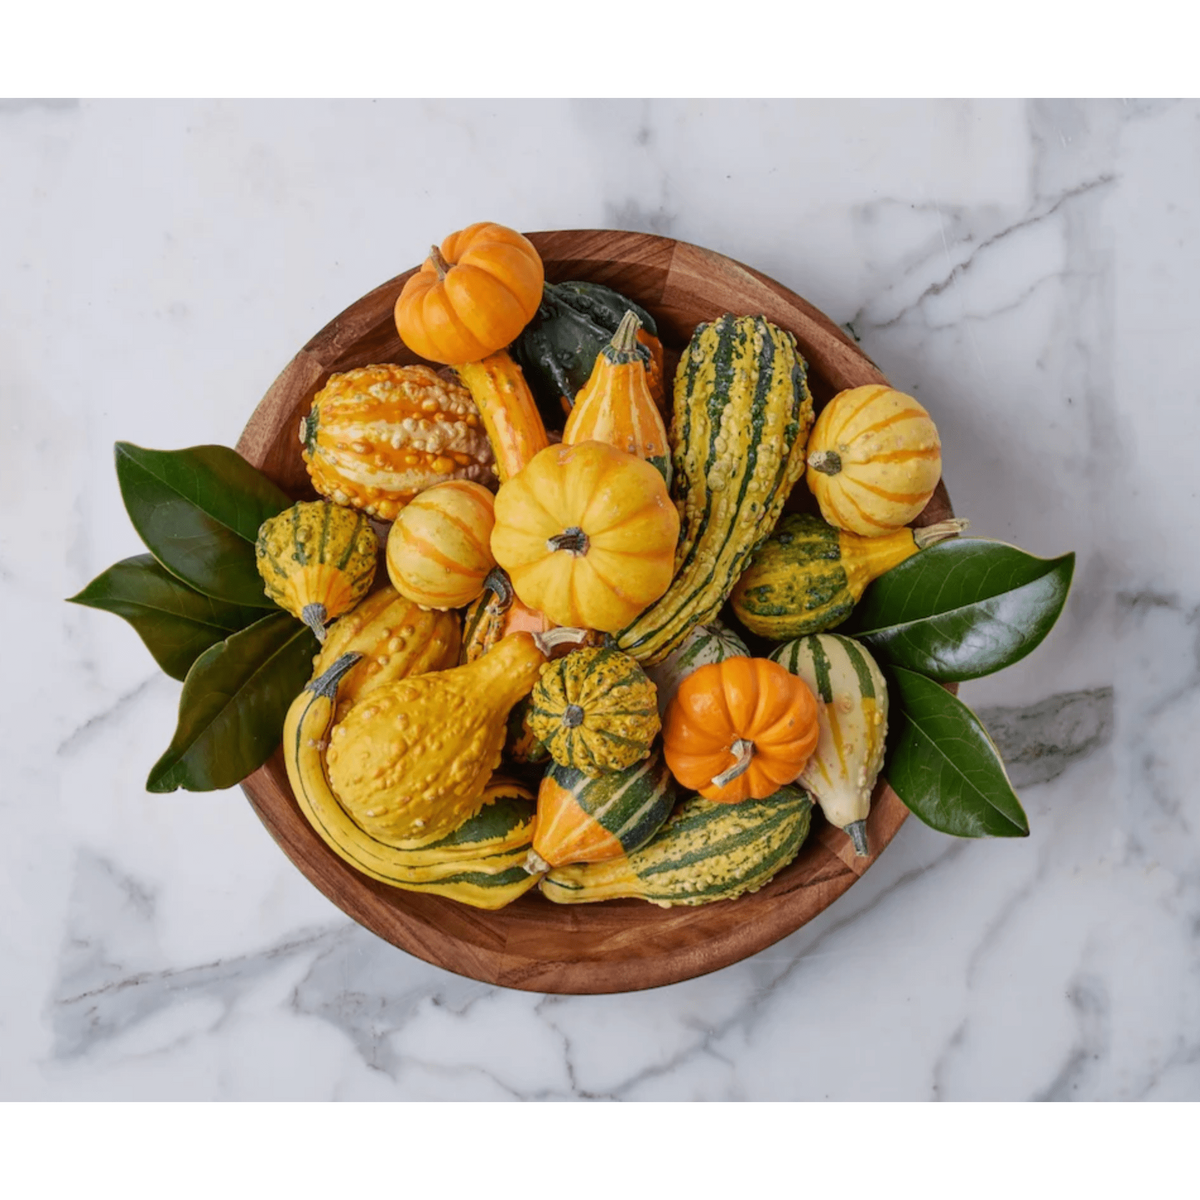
[(587, 535), (740, 729), (615, 405), (378, 435), (438, 551), (471, 297), (508, 410), (874, 459)]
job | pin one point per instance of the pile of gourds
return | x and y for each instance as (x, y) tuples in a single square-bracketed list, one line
[(544, 691)]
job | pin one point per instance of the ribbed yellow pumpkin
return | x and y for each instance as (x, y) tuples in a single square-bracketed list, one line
[(874, 459), (437, 551)]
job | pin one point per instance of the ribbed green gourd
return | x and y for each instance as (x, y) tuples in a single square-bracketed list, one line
[(741, 418), (808, 575), (705, 852)]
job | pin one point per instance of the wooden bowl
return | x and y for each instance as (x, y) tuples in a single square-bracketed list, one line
[(622, 945)]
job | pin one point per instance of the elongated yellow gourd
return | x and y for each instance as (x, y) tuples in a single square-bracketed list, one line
[(852, 707)]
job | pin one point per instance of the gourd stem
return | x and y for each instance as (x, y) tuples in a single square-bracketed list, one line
[(535, 864), (572, 716), (858, 835), (573, 540), (440, 265), (624, 341), (558, 636), (497, 582), (828, 462), (743, 752), (326, 684), (315, 616), (932, 534)]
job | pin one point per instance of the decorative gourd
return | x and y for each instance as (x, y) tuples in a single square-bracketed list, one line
[(506, 405), (376, 436), (439, 548), (808, 575), (742, 410), (705, 852), (395, 638), (740, 729), (480, 862), (574, 322), (587, 535), (595, 710), (496, 613), (317, 561), (852, 711), (471, 297), (409, 761), (583, 818), (709, 643), (615, 405), (874, 459)]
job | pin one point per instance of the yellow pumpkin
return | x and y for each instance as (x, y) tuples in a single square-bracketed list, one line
[(874, 459), (437, 551), (587, 535)]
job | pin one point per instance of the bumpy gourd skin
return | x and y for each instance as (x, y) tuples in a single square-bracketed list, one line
[(410, 761)]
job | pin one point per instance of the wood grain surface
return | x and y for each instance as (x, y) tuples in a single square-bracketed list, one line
[(534, 945)]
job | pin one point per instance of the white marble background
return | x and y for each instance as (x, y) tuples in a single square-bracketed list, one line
[(1028, 270)]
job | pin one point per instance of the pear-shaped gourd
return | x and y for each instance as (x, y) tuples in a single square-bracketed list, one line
[(852, 708)]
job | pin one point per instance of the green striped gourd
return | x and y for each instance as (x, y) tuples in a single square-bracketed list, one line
[(705, 644), (852, 711), (480, 863), (742, 414), (705, 852), (581, 818), (808, 575)]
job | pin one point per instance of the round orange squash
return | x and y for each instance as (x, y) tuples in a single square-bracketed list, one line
[(587, 534), (740, 729), (472, 296), (437, 551)]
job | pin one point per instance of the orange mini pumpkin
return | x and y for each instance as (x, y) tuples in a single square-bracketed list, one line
[(437, 550), (740, 729), (471, 297)]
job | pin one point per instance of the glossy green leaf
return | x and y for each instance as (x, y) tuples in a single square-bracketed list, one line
[(943, 765), (176, 622), (963, 608), (198, 511), (233, 705)]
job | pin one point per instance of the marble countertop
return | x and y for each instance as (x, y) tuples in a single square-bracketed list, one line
[(1027, 270)]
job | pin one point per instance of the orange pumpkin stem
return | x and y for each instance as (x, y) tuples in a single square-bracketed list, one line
[(440, 265), (828, 462), (573, 540), (743, 752)]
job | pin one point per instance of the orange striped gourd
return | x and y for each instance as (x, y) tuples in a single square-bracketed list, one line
[(874, 459), (438, 551)]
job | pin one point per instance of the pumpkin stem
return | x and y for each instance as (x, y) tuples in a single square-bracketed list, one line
[(858, 835), (327, 684), (572, 716), (828, 462), (742, 751), (558, 636), (939, 532), (315, 616), (498, 583), (535, 864), (440, 265), (624, 341), (573, 540)]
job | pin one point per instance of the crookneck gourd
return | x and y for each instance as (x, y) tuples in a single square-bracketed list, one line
[(739, 729), (852, 711), (874, 459), (615, 405), (438, 549), (742, 412), (508, 410), (808, 575), (587, 535), (376, 436), (705, 852), (394, 637), (409, 761), (595, 710), (480, 862), (317, 561)]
